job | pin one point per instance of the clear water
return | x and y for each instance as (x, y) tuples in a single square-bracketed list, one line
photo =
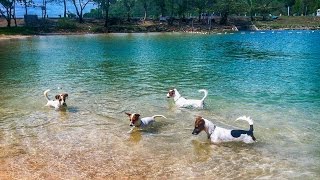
[(272, 77)]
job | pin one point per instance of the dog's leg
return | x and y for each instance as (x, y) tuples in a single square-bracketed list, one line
[(129, 132)]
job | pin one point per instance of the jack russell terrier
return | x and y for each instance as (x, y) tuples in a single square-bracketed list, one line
[(136, 121), (185, 103), (58, 103), (219, 134)]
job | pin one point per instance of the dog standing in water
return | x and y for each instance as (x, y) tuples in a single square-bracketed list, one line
[(185, 103), (136, 121), (59, 102), (218, 134)]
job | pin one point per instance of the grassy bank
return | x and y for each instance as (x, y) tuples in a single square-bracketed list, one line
[(67, 26), (18, 31), (291, 22)]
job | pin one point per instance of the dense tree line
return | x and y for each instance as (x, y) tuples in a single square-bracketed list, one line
[(182, 9)]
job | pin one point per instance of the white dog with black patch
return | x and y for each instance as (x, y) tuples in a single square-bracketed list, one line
[(218, 134)]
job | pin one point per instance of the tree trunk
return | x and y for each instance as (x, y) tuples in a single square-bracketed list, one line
[(145, 11), (25, 6), (224, 18), (8, 18), (14, 13), (81, 16), (107, 5), (64, 8)]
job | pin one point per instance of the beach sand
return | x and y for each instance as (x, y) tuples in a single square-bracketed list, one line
[(8, 37)]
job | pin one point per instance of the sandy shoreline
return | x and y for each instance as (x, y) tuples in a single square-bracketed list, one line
[(12, 37), (8, 37)]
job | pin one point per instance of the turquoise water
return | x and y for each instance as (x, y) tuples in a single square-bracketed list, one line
[(271, 76)]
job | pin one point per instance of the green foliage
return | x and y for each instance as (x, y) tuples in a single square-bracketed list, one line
[(99, 30), (298, 7), (94, 13), (67, 24), (18, 30)]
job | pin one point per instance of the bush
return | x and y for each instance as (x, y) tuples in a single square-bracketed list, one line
[(66, 24)]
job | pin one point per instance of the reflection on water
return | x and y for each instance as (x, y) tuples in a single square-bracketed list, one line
[(272, 78)]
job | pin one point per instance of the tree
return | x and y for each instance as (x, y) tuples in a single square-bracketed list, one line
[(7, 10), (265, 7), (145, 4), (200, 6), (315, 5), (162, 6), (228, 7), (26, 4), (79, 6), (288, 4), (105, 6), (251, 6), (129, 4), (298, 7), (182, 8), (64, 6)]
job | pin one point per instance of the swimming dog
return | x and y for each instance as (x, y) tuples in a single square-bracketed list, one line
[(183, 102), (58, 103), (136, 121), (218, 134)]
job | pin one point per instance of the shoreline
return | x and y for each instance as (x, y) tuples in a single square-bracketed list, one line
[(96, 26), (9, 37), (20, 36)]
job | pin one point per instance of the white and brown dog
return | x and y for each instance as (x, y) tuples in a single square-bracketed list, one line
[(59, 102), (218, 134), (185, 103), (136, 121)]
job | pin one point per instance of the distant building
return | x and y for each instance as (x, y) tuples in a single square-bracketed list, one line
[(318, 12)]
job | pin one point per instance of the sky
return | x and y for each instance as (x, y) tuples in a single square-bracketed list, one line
[(53, 9)]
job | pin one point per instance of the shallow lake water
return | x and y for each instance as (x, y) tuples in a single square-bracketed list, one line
[(272, 76)]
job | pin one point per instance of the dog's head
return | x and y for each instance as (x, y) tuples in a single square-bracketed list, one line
[(133, 118), (198, 125), (62, 98), (171, 93)]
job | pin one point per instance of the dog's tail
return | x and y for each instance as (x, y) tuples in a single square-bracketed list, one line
[(45, 93), (248, 119), (158, 116), (205, 93)]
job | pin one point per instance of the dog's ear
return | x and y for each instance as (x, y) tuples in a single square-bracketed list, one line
[(138, 115), (65, 95), (57, 96), (128, 114)]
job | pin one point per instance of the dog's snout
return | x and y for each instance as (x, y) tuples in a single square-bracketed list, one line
[(195, 132)]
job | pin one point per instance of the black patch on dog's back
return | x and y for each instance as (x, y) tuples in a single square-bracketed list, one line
[(237, 133)]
